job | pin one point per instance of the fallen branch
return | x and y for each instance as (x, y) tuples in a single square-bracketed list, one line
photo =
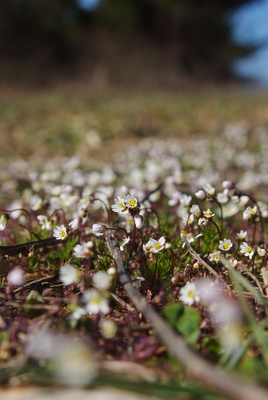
[(196, 367), (25, 248)]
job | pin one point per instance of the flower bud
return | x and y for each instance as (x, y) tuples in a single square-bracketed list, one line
[(138, 219)]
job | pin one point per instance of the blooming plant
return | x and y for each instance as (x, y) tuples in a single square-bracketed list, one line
[(194, 248)]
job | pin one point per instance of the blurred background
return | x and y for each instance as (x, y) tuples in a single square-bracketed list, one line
[(133, 43)]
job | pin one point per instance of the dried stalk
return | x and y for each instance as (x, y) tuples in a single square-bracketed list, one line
[(196, 367)]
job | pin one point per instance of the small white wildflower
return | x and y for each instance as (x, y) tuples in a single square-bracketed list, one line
[(69, 274), (60, 232), (98, 230), (125, 241), (227, 185), (225, 244), (101, 280), (188, 294), (16, 277), (44, 222), (242, 234), (243, 200), (261, 251), (247, 250), (83, 250), (131, 201), (138, 220), (195, 210), (108, 328), (154, 246), (208, 214), (119, 206), (190, 219), (200, 194), (75, 223), (223, 198), (111, 271), (3, 222), (202, 221), (250, 212), (95, 302), (209, 189), (233, 262), (214, 257)]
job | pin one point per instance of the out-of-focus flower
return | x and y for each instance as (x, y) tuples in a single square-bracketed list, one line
[(242, 234), (209, 189), (250, 212), (138, 220), (16, 277), (261, 251), (225, 244), (247, 250), (200, 194), (108, 328), (60, 232), (223, 196), (83, 250), (98, 230), (95, 302), (44, 222), (75, 223), (195, 210), (188, 294), (214, 257), (102, 280), (69, 274), (208, 214), (125, 241), (3, 222), (154, 246)]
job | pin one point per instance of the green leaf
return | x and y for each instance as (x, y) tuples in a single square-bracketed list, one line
[(188, 325), (172, 312)]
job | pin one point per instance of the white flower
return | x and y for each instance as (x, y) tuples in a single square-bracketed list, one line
[(209, 189), (247, 250), (261, 252), (233, 262), (242, 234), (185, 200), (3, 222), (208, 213), (190, 219), (102, 280), (223, 197), (119, 206), (35, 202), (202, 221), (229, 209), (131, 201), (44, 222), (108, 328), (60, 232), (227, 185), (125, 241), (154, 246), (214, 257), (225, 244), (16, 277), (75, 223), (98, 229), (188, 294), (78, 313), (250, 212), (243, 200), (195, 210), (83, 250), (69, 274), (189, 237), (200, 194), (138, 220), (95, 302)]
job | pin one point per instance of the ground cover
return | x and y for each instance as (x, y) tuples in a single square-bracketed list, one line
[(172, 188)]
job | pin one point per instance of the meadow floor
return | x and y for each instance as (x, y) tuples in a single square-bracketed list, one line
[(172, 189)]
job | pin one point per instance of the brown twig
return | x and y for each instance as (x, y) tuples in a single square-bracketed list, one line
[(26, 247), (196, 367)]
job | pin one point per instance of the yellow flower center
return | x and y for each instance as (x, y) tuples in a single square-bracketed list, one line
[(132, 203), (158, 246)]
